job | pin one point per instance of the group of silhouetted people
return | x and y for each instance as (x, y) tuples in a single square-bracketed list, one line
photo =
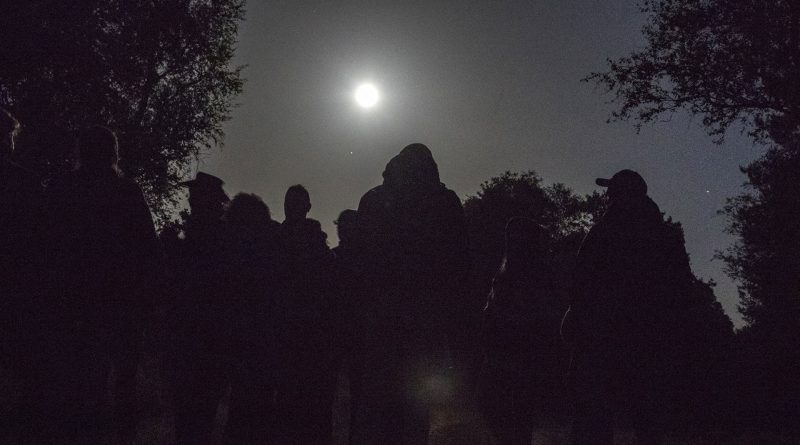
[(268, 310)]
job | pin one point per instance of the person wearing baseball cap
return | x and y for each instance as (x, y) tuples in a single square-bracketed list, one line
[(618, 319), (624, 183)]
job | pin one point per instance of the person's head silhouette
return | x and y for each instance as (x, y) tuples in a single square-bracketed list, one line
[(413, 166), (206, 196), (98, 148), (347, 226), (247, 210), (9, 128), (297, 203), (624, 185)]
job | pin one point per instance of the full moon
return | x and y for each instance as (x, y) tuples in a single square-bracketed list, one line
[(367, 95)]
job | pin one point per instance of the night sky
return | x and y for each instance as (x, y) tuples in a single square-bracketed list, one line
[(489, 86)]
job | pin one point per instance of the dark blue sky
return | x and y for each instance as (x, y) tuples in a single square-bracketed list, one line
[(488, 86)]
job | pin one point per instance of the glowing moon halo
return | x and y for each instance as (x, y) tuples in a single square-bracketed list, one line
[(367, 95)]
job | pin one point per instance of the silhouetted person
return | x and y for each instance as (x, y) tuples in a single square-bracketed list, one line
[(199, 353), (19, 192), (306, 326), (347, 315), (20, 270), (619, 316), (107, 256), (19, 196), (414, 251), (254, 269), (520, 335)]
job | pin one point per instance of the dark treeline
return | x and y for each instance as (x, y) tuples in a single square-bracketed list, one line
[(540, 305)]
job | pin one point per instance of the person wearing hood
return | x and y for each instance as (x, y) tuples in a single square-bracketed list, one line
[(619, 315), (414, 257)]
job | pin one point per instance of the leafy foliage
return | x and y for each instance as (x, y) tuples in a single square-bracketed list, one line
[(565, 216), (156, 71), (729, 61), (765, 259)]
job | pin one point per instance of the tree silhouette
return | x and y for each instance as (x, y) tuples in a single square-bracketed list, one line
[(766, 261), (565, 216), (728, 61), (158, 72), (765, 258), (700, 350)]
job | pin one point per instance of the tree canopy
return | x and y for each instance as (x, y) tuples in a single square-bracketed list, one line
[(158, 72), (565, 216), (765, 258), (729, 61)]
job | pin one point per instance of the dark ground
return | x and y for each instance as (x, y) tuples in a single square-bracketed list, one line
[(454, 422)]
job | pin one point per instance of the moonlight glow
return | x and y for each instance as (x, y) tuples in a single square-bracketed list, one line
[(367, 95)]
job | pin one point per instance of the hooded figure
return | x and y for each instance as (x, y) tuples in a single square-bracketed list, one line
[(630, 270), (414, 254)]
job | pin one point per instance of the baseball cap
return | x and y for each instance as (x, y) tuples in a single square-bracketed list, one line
[(625, 181)]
